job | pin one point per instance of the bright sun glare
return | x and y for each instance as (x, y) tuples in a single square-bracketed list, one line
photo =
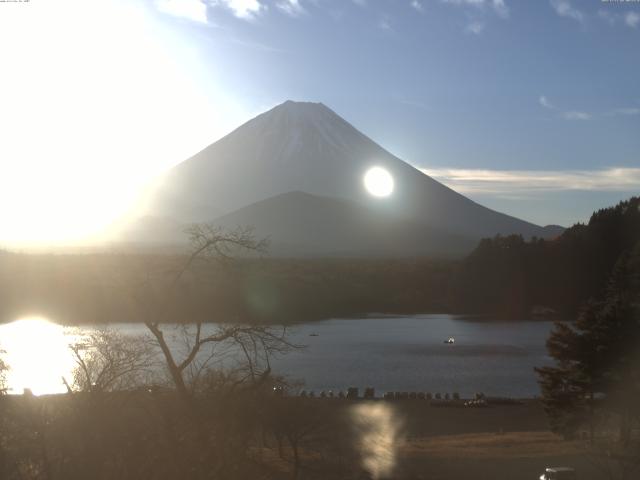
[(378, 182), (38, 356), (94, 102)]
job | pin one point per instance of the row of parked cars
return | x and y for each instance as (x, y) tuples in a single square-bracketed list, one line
[(369, 393)]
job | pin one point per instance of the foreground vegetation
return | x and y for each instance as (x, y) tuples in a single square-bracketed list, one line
[(248, 432)]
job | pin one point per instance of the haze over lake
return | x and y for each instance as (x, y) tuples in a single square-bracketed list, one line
[(390, 353)]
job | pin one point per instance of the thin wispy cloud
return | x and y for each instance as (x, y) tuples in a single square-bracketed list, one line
[(245, 9), (567, 115), (565, 9), (632, 19), (608, 17), (498, 6), (576, 115), (625, 111), (475, 3), (475, 27), (415, 4), (384, 24), (629, 19), (291, 7), (513, 182), (477, 12), (194, 10), (582, 115), (544, 101)]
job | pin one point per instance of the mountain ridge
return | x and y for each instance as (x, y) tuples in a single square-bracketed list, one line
[(314, 226), (306, 147)]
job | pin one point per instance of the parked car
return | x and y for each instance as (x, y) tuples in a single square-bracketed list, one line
[(558, 473)]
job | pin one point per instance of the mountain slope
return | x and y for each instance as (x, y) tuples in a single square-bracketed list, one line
[(301, 224), (306, 147)]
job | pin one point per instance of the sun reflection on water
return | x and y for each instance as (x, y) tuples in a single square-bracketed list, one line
[(37, 354)]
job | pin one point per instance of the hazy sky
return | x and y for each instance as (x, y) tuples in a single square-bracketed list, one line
[(529, 107)]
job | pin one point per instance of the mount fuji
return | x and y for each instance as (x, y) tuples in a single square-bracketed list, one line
[(296, 174)]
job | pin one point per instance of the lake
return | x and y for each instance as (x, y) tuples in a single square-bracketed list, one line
[(389, 353)]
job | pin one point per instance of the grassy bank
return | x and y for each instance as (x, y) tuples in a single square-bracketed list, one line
[(252, 432)]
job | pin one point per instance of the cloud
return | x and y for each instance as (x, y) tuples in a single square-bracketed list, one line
[(580, 115), (384, 24), (476, 12), (475, 27), (565, 9), (568, 115), (625, 111), (194, 10), (500, 8), (417, 5), (575, 115), (361, 3), (509, 182), (546, 103), (475, 3), (608, 17), (632, 19), (291, 7), (245, 9)]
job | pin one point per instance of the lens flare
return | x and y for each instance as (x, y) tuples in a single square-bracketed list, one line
[(379, 437)]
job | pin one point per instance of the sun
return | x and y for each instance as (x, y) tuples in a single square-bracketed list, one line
[(378, 182)]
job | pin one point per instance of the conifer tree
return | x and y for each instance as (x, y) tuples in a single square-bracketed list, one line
[(597, 371)]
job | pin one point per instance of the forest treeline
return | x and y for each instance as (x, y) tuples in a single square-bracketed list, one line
[(505, 276), (509, 276), (103, 288)]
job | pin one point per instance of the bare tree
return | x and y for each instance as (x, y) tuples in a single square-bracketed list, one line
[(252, 345), (107, 360)]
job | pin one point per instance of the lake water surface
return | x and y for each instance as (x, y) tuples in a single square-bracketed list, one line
[(409, 354), (390, 353)]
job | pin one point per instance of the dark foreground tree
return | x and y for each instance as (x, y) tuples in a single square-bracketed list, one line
[(597, 372)]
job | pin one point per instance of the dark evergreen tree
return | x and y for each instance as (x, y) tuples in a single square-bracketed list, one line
[(597, 361)]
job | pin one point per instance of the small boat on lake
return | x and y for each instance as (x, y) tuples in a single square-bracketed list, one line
[(450, 340)]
